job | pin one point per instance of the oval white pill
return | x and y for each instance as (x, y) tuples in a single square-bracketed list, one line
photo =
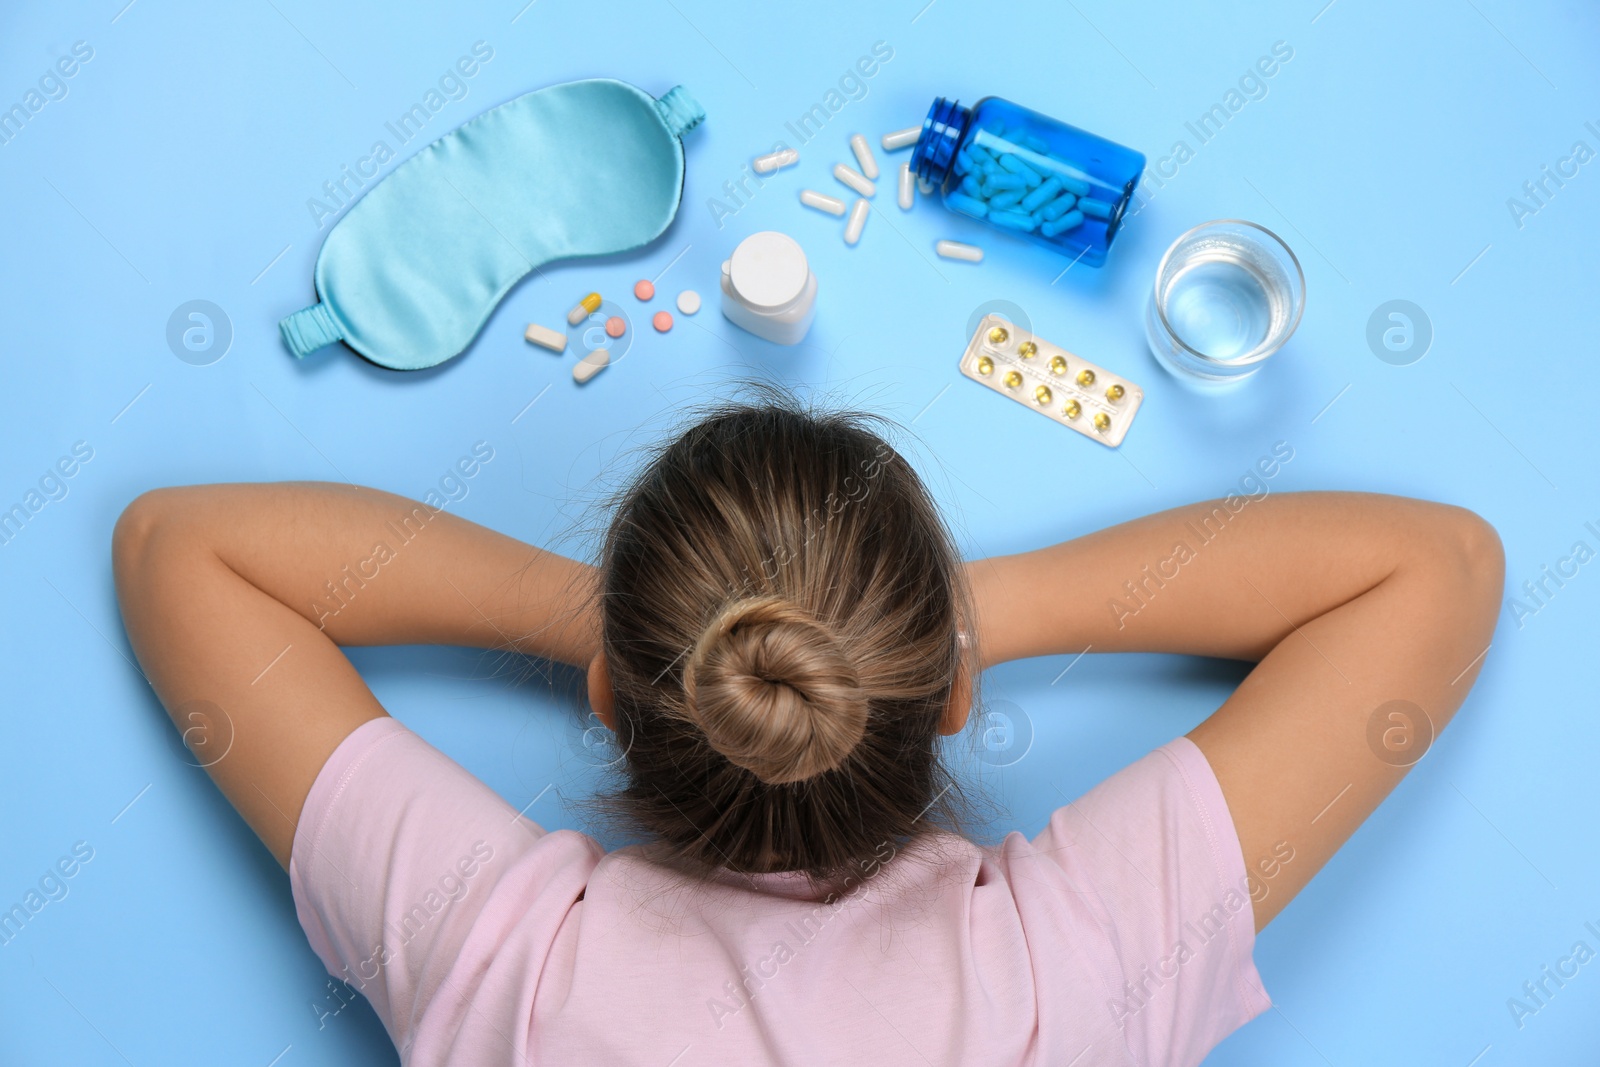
[(863, 151), (854, 180), (831, 204), (957, 250), (773, 160), (908, 187), (901, 138), (590, 365), (857, 221), (688, 301), (545, 337)]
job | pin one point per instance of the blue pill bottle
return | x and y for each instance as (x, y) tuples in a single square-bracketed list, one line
[(1026, 173)]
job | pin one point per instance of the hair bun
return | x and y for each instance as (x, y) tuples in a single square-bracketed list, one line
[(774, 692)]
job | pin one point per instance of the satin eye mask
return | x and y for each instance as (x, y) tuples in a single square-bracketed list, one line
[(414, 269)]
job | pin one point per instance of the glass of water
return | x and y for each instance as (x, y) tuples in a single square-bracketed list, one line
[(1227, 296)]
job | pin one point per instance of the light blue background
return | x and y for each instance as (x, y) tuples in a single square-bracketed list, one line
[(179, 167)]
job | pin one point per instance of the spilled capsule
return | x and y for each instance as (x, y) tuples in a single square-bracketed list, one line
[(831, 204), (901, 138), (856, 222), (770, 162), (863, 151)]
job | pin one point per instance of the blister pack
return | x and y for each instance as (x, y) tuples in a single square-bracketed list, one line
[(1056, 383)]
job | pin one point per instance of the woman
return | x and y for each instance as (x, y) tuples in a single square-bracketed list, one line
[(779, 631)]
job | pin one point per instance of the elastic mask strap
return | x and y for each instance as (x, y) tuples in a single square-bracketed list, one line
[(310, 329), (680, 111)]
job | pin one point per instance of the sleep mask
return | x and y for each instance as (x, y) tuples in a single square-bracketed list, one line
[(414, 269)]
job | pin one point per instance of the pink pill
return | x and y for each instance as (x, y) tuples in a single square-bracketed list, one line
[(662, 321), (644, 290), (615, 327)]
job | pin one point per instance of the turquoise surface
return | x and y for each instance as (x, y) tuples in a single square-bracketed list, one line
[(1441, 154)]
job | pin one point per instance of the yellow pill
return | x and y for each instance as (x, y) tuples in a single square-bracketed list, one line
[(1058, 365), (1086, 377), (1028, 350), (1072, 410), (1042, 395), (585, 307), (985, 365), (1102, 422), (998, 335), (1115, 391), (1013, 379)]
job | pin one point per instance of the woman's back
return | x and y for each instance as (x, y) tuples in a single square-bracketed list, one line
[(1121, 934)]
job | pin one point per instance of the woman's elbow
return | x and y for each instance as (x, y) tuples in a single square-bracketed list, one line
[(135, 529), (1479, 556)]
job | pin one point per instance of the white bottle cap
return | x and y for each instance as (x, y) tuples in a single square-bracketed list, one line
[(768, 270)]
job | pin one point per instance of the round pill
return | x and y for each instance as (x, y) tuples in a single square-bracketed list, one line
[(1072, 410), (688, 301), (1058, 365), (985, 365), (998, 335), (1086, 377), (1012, 379), (644, 289), (1102, 422), (662, 321), (1028, 350), (1115, 392), (615, 327)]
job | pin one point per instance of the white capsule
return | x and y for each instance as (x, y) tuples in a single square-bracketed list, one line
[(773, 160), (854, 180), (908, 187), (925, 187), (590, 365), (831, 204), (545, 337), (863, 151), (857, 221), (957, 250), (901, 138)]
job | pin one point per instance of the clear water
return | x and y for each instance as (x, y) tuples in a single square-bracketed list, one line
[(1219, 306)]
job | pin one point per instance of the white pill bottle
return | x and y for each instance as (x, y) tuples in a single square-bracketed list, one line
[(768, 288)]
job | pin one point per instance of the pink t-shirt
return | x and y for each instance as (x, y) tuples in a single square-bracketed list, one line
[(1121, 934)]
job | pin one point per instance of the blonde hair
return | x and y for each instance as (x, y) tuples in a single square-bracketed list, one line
[(780, 612)]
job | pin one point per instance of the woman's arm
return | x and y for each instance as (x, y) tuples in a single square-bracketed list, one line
[(1347, 601), (236, 598), (372, 568)]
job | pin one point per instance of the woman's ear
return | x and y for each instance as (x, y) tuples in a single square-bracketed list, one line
[(960, 705), (600, 697)]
